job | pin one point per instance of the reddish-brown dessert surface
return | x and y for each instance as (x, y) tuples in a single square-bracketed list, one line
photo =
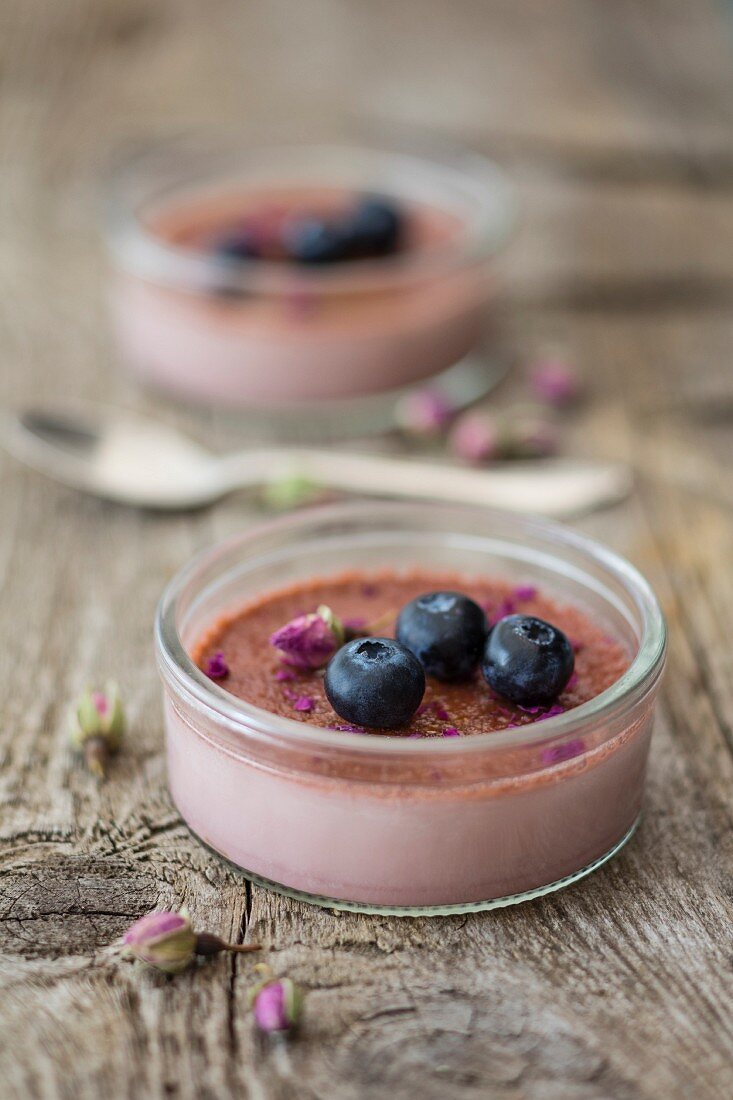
[(258, 675), (199, 221)]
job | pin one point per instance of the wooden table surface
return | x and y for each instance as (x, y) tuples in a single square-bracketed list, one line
[(616, 120)]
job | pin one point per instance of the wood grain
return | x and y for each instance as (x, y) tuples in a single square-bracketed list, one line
[(616, 121)]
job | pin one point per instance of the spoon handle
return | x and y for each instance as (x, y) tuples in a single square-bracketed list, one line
[(555, 487)]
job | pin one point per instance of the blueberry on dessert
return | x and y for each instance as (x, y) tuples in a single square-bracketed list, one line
[(240, 244), (527, 660), (315, 241), (375, 682), (375, 226), (446, 631)]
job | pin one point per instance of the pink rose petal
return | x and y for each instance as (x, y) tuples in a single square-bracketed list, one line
[(216, 667)]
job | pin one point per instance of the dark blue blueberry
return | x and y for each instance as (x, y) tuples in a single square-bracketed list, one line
[(240, 244), (316, 241), (527, 660), (446, 631), (375, 682), (375, 227)]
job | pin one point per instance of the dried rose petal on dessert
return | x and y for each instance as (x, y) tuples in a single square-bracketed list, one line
[(554, 710), (309, 641), (525, 592), (216, 667)]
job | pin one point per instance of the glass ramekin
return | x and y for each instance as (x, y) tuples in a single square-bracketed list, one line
[(276, 335), (390, 824)]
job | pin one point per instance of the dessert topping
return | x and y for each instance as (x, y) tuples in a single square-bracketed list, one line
[(240, 244), (375, 682), (527, 660), (375, 227), (524, 592), (217, 667), (434, 706), (309, 641), (446, 631), (310, 240)]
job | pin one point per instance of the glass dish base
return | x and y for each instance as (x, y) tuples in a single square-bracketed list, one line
[(463, 384), (426, 910)]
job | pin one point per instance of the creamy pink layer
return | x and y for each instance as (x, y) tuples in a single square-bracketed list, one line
[(401, 845), (277, 352)]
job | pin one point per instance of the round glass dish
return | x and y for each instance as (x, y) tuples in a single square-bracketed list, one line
[(276, 335), (389, 824)]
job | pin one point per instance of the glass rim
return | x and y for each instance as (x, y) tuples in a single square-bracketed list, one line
[(143, 253), (252, 722)]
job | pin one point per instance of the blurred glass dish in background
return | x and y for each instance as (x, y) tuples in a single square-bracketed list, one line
[(217, 326)]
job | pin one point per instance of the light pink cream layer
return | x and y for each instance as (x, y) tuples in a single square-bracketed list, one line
[(403, 845)]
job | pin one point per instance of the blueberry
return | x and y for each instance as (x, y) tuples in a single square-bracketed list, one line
[(375, 226), (375, 682), (316, 241), (446, 631), (527, 660), (238, 245)]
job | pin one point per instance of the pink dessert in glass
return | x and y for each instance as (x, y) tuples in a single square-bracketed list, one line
[(253, 328), (474, 803)]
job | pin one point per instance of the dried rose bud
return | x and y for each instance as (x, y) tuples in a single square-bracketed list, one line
[(166, 941), (290, 492), (476, 438), (163, 940), (309, 641), (424, 413), (555, 382), (276, 1004), (97, 725)]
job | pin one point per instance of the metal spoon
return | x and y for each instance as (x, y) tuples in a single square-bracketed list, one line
[(138, 461)]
